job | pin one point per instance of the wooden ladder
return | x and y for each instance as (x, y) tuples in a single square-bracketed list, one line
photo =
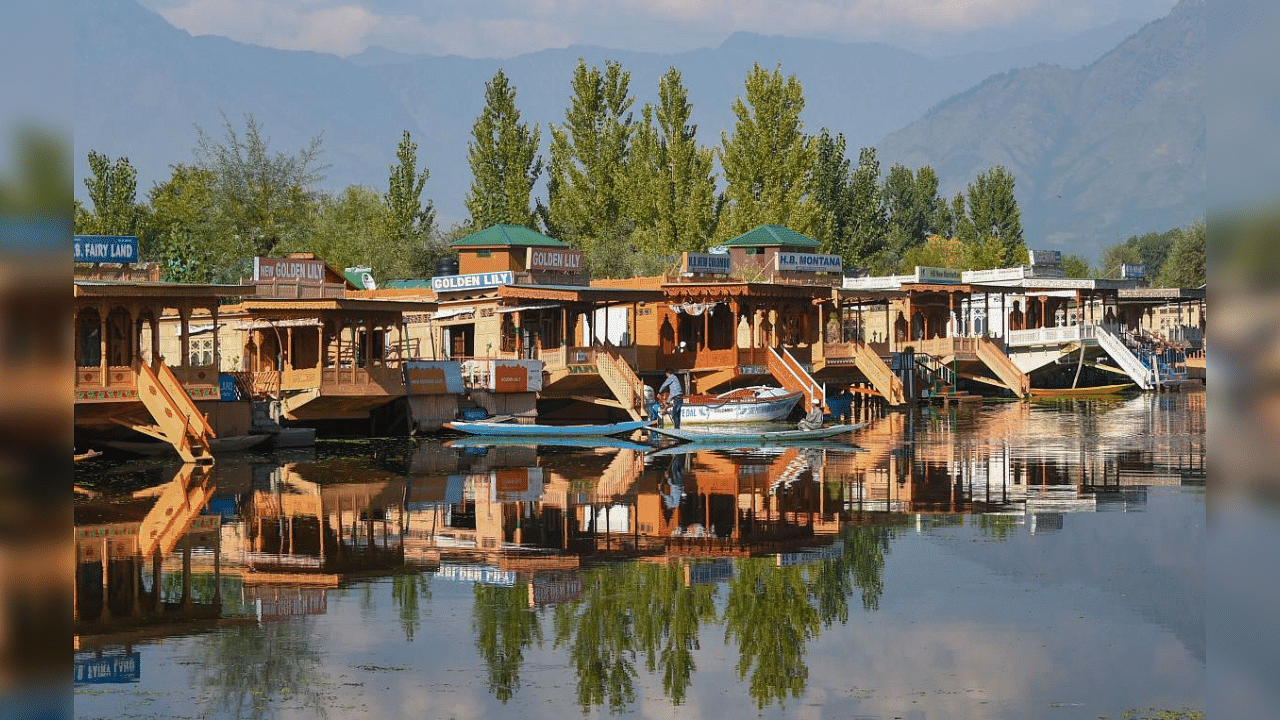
[(177, 419)]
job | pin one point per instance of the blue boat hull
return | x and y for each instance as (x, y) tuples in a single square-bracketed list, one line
[(518, 430)]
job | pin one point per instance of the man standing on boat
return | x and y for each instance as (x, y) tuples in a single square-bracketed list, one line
[(812, 421), (675, 396)]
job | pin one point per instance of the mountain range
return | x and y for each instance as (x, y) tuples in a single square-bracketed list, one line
[(1104, 131)]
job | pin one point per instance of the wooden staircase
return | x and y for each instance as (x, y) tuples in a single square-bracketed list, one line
[(879, 374), (788, 371), (622, 381), (177, 419), (994, 358)]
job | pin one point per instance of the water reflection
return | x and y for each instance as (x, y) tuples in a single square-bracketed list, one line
[(618, 562)]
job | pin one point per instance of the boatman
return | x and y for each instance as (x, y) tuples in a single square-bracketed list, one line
[(675, 396), (813, 420)]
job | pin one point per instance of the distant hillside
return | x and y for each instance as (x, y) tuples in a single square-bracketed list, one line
[(142, 86), (1100, 153)]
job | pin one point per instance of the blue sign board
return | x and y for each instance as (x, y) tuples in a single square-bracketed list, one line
[(227, 390), (474, 281), (109, 668), (706, 264), (106, 248)]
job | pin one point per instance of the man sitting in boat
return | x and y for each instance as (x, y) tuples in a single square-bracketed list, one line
[(812, 421)]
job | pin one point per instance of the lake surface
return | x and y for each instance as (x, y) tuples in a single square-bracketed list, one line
[(1006, 560)]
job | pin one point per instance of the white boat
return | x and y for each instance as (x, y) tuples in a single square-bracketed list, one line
[(760, 403)]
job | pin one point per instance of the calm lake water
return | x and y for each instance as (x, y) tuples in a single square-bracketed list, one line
[(1010, 560)]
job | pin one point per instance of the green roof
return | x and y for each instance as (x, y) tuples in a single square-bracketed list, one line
[(508, 235), (770, 235), (409, 284)]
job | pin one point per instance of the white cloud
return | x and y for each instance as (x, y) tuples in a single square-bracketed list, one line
[(510, 27)]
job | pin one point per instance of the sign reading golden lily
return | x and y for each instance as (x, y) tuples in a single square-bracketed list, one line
[(565, 260), (474, 281), (808, 262)]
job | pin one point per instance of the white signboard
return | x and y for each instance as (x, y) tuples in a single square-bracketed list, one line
[(474, 281), (936, 275), (808, 262)]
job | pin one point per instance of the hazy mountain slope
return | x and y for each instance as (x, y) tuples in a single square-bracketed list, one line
[(1099, 153)]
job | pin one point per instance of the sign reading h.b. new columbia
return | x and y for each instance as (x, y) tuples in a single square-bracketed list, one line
[(705, 264), (474, 281)]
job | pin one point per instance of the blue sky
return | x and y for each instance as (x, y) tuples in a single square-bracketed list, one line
[(505, 28)]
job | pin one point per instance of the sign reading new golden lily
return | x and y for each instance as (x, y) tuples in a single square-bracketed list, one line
[(304, 271), (565, 260), (474, 281), (808, 262), (705, 264)]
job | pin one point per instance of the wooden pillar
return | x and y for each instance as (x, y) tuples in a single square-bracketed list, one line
[(217, 349), (184, 327), (320, 348), (156, 357), (288, 346), (102, 343), (706, 328), (952, 317)]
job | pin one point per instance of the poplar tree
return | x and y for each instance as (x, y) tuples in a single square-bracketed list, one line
[(113, 188), (504, 160), (867, 222), (994, 214), (768, 161), (674, 201), (831, 190), (586, 183), (409, 222)]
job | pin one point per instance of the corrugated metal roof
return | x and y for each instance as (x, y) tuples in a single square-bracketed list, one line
[(768, 235), (507, 236)]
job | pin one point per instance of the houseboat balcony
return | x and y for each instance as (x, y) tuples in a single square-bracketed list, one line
[(1060, 335), (120, 383)]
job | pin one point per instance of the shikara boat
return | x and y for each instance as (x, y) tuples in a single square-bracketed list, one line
[(1081, 391), (760, 403), (535, 431), (755, 437), (584, 441)]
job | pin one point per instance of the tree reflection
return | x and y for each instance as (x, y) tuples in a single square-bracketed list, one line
[(406, 590), (249, 669), (769, 615), (504, 625), (598, 633)]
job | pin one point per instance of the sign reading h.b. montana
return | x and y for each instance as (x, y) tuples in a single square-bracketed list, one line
[(705, 264), (566, 260), (474, 281), (809, 262), (304, 271), (106, 248)]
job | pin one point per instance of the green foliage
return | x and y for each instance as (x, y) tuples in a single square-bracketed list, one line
[(409, 223), (911, 206), (937, 252), (1075, 266), (349, 229), (587, 184), (1185, 266), (265, 199), (504, 160), (768, 162), (993, 212), (831, 178), (673, 200), (113, 191), (183, 230)]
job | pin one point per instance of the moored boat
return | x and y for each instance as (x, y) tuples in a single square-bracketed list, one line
[(760, 403), (235, 443), (1082, 391), (760, 437), (535, 430)]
